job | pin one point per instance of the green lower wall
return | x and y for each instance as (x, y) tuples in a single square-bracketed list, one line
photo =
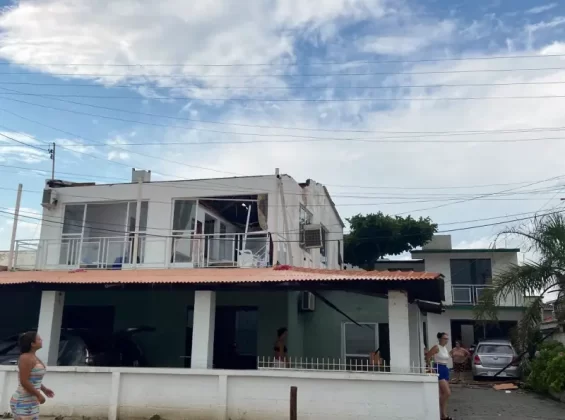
[(322, 328), (311, 334)]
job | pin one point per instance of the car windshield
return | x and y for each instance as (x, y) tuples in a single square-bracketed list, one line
[(495, 349)]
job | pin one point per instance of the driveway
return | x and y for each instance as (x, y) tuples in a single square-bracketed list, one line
[(485, 404)]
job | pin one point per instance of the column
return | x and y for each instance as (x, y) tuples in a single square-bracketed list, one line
[(203, 329), (49, 326), (439, 323), (295, 337), (415, 326), (399, 331)]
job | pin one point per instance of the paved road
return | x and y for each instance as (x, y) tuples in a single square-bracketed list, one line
[(488, 404)]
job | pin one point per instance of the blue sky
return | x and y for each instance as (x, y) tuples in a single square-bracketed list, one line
[(121, 84)]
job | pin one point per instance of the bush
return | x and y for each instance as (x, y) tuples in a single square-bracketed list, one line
[(548, 369)]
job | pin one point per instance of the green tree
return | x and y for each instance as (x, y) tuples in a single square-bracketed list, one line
[(373, 236), (545, 237)]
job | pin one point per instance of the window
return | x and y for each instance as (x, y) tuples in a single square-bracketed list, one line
[(471, 271), (184, 215), (324, 248), (359, 341), (305, 218), (72, 221)]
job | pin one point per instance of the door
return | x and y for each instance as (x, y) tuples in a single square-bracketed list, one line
[(235, 338)]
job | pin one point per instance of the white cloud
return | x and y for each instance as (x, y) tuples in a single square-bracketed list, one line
[(222, 31), (19, 147), (120, 153), (416, 38), (541, 9)]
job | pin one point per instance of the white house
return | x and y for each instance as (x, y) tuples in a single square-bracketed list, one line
[(215, 267), (467, 272)]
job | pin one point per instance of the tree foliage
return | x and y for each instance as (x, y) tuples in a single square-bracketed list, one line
[(548, 369), (373, 236), (545, 237)]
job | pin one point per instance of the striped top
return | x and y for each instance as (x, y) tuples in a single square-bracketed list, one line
[(23, 403)]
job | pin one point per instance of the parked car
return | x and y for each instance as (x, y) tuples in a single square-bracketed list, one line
[(491, 356), (83, 347)]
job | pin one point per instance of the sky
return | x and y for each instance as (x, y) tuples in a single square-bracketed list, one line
[(447, 109)]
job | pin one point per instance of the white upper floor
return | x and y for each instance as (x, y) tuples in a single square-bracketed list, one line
[(241, 221), (467, 272)]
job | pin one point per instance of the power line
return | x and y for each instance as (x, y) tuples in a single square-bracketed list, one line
[(393, 139), (287, 87), (321, 100), (415, 133), (23, 143), (290, 64), (123, 232), (255, 76), (320, 140), (154, 183)]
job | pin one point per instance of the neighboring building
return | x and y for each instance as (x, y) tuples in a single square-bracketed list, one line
[(215, 267), (25, 258), (467, 273)]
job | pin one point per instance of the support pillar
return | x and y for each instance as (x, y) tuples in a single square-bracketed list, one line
[(416, 345), (203, 329), (399, 331), (49, 326)]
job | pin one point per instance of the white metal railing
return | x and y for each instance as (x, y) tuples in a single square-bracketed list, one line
[(470, 294), (467, 294), (342, 365), (184, 249)]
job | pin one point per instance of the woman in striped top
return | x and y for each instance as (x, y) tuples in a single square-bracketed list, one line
[(30, 393)]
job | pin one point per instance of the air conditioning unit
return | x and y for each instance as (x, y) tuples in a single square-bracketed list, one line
[(307, 302), (49, 199), (313, 236)]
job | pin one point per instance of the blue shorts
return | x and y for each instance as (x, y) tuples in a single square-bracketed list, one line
[(443, 372)]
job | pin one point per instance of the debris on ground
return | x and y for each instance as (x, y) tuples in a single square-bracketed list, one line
[(505, 387)]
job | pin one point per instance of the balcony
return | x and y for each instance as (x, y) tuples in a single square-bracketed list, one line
[(470, 294), (467, 294), (180, 250)]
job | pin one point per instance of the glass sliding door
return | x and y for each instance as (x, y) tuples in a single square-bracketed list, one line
[(185, 247)]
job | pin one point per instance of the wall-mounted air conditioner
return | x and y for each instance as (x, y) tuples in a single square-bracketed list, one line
[(49, 199), (313, 236), (307, 302)]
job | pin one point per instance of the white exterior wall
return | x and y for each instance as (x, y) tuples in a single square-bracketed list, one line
[(221, 395), (440, 263), (161, 195), (23, 259)]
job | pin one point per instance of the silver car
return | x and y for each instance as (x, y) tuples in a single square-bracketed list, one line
[(491, 356)]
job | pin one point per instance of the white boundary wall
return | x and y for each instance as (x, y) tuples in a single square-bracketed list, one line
[(236, 395)]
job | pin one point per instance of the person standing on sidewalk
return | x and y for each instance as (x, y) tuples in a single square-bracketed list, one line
[(31, 392), (440, 355), (460, 356)]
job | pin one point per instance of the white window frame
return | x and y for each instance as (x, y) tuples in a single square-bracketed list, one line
[(344, 354), (301, 224)]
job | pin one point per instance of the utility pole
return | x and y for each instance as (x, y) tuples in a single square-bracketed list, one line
[(52, 156), (14, 228)]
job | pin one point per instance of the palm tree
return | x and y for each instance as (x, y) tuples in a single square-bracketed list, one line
[(545, 237)]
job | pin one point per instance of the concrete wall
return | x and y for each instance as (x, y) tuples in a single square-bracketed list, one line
[(22, 260), (440, 263), (237, 395), (323, 328), (283, 220)]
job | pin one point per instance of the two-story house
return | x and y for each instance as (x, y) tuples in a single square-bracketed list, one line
[(467, 273), (216, 269)]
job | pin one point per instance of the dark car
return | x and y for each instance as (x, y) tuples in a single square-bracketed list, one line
[(82, 347)]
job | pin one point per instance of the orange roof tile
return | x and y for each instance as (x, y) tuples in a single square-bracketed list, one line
[(207, 276)]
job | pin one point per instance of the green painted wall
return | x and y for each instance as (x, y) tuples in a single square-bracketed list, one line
[(167, 312), (19, 311), (322, 328), (316, 334)]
